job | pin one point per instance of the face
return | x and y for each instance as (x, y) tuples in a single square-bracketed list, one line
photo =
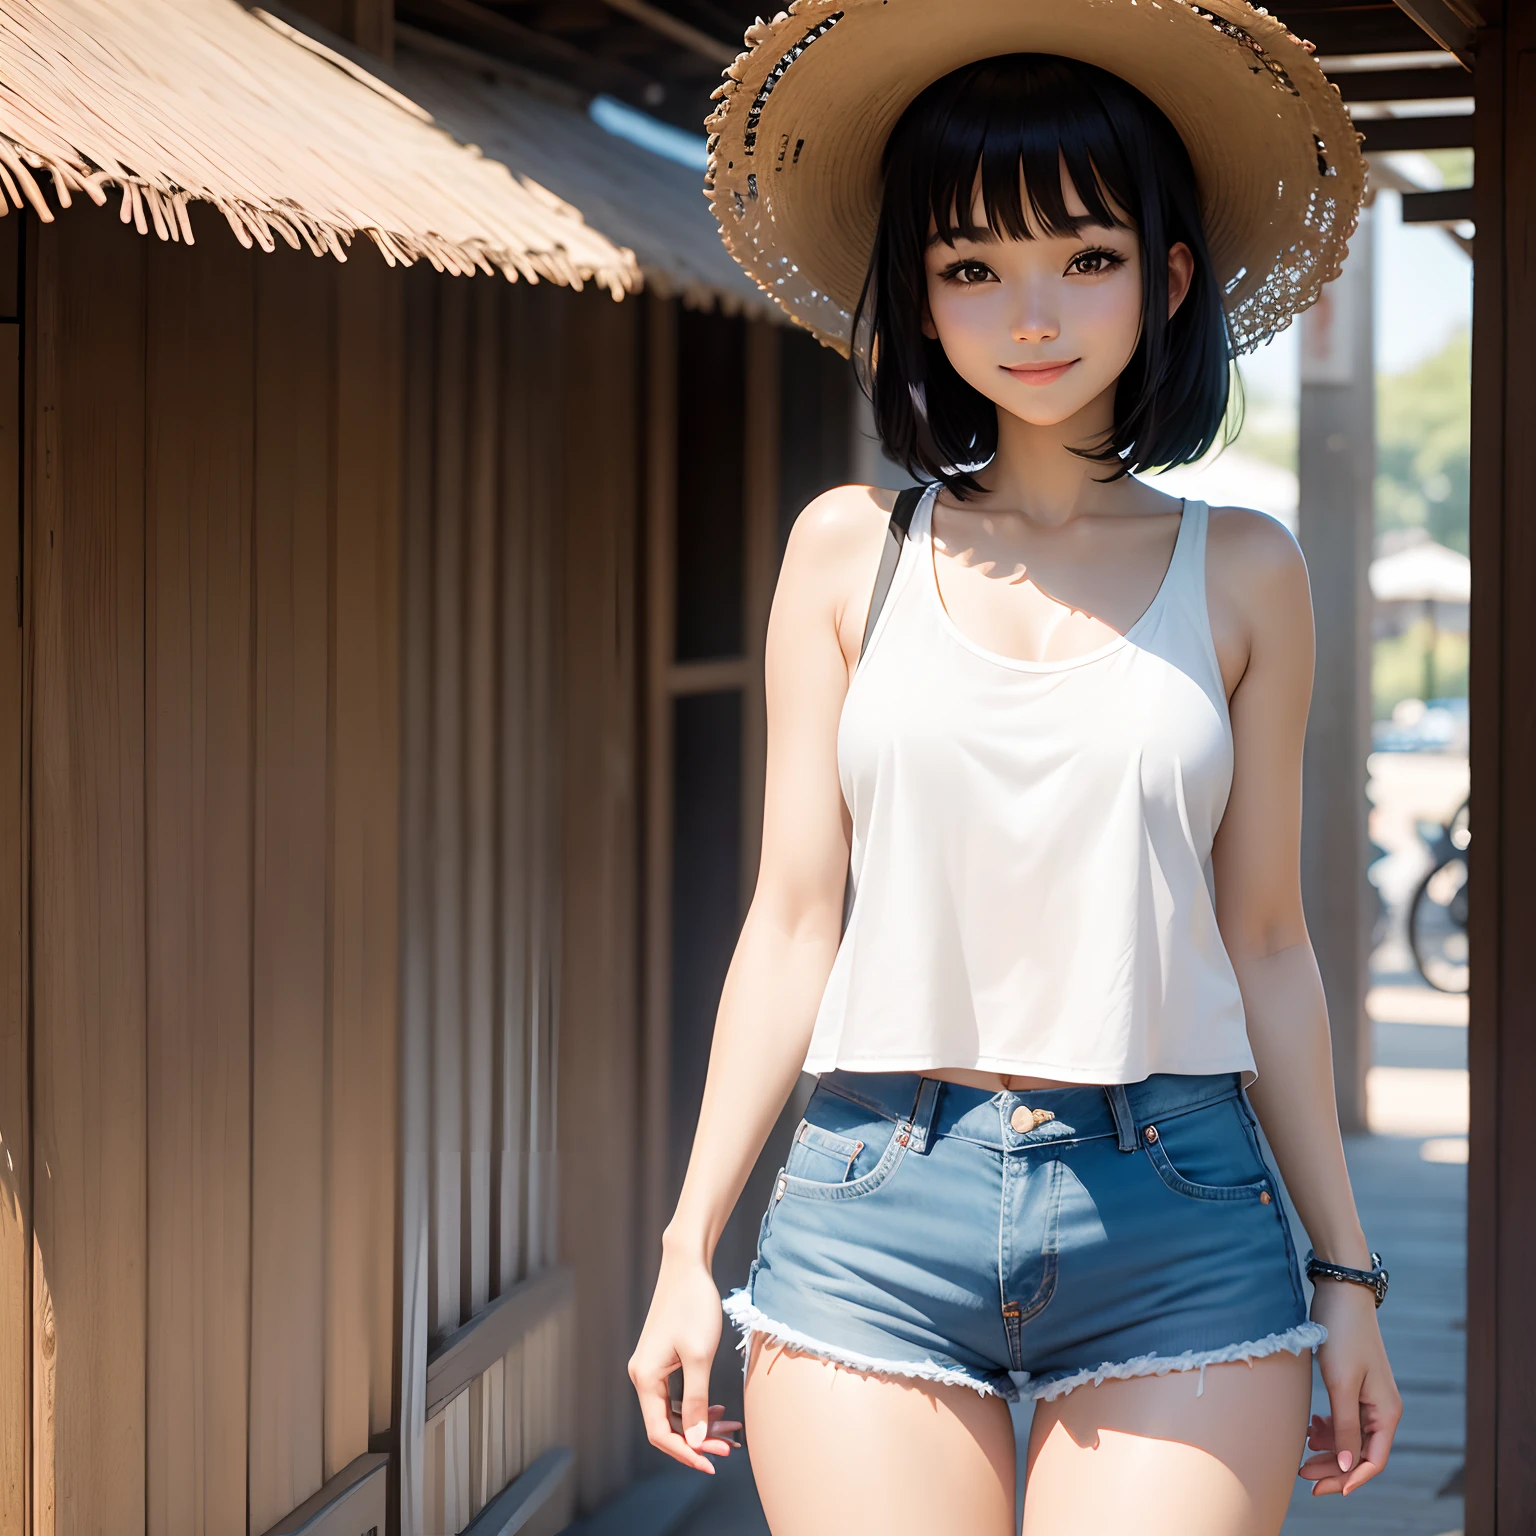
[(1043, 327)]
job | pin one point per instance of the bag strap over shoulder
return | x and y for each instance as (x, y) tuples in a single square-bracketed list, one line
[(900, 525), (898, 529)]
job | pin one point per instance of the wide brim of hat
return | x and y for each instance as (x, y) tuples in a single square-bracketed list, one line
[(803, 116)]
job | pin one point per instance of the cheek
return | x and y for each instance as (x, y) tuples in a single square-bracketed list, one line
[(1108, 317), (969, 326)]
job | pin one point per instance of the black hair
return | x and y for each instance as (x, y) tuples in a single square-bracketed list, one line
[(1012, 122)]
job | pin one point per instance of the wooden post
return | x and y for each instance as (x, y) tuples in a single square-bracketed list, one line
[(1337, 463), (1501, 1219)]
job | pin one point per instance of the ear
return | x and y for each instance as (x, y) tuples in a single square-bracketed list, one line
[(1181, 273)]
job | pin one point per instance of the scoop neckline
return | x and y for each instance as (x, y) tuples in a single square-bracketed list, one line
[(1015, 663)]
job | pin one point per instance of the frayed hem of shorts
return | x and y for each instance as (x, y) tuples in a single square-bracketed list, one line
[(1303, 1336), (740, 1310)]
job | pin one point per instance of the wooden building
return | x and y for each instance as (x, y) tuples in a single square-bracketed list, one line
[(330, 743), (382, 766)]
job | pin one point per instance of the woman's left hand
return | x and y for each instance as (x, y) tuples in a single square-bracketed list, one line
[(1354, 1441)]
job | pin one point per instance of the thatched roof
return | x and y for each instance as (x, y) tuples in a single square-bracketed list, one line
[(653, 206), (172, 101)]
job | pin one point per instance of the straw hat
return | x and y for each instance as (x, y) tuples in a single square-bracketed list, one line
[(803, 115)]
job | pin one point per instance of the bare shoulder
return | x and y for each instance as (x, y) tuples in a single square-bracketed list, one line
[(835, 536), (846, 516), (1255, 561)]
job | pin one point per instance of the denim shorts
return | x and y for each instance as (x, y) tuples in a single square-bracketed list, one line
[(1026, 1243)]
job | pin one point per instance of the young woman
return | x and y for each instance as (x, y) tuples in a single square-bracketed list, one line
[(1066, 758)]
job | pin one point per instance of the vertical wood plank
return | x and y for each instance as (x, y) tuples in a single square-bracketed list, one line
[(289, 993), (434, 1476), (15, 1134), (512, 1410), (446, 880), (88, 877), (760, 498), (487, 1435), (516, 745), (480, 697), (1508, 734), (365, 921), (198, 848), (447, 1508), (550, 313), (660, 643), (415, 1056)]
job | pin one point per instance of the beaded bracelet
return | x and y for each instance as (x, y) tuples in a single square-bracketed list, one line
[(1375, 1277)]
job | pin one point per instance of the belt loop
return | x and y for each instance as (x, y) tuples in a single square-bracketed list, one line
[(1125, 1121), (923, 1111)]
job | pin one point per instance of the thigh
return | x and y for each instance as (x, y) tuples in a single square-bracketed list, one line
[(1158, 1456), (835, 1451)]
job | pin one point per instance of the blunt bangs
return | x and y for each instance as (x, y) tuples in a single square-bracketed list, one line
[(1006, 127)]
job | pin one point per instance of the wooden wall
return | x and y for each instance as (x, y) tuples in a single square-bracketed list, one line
[(488, 1321), (212, 566), (333, 789)]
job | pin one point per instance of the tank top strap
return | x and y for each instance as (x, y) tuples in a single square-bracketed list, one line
[(1185, 578)]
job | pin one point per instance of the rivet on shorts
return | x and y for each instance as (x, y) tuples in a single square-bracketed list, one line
[(1150, 1133), (778, 1194), (902, 1140), (1264, 1198)]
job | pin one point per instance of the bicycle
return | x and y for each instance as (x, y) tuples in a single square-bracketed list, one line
[(1437, 916)]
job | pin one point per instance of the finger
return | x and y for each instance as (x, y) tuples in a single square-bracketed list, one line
[(1373, 1457), (723, 1428), (695, 1399), (1345, 1400), (1320, 1433), (654, 1412)]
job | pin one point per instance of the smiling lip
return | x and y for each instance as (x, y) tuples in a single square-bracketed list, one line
[(1039, 373)]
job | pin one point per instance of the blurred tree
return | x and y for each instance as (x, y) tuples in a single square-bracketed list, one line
[(1423, 438)]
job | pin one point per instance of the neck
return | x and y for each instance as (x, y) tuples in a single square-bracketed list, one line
[(1037, 474)]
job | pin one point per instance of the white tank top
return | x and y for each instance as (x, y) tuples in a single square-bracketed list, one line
[(1032, 846)]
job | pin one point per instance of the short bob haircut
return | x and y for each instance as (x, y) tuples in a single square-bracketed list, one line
[(1011, 123)]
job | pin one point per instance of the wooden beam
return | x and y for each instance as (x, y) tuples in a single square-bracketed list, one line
[(1451, 206), (1385, 135), (538, 1503), (469, 1351), (1501, 1226), (481, 27), (1446, 22), (669, 26), (351, 1504), (1336, 468)]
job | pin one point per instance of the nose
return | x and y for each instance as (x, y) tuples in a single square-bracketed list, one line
[(1034, 318)]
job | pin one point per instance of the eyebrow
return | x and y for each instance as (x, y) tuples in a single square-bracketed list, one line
[(979, 236)]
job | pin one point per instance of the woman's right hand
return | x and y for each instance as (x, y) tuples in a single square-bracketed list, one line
[(682, 1332)]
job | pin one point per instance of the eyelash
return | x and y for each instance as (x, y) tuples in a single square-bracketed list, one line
[(1109, 259)]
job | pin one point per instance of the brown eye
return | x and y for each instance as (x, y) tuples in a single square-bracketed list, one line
[(967, 272), (1094, 263)]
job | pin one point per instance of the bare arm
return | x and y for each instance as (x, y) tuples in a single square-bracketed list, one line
[(785, 950), (1259, 585)]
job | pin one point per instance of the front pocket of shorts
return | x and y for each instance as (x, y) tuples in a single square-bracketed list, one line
[(1197, 1154), (840, 1151)]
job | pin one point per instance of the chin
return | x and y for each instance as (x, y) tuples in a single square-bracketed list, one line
[(1042, 412)]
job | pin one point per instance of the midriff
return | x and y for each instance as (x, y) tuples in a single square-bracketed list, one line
[(995, 1081)]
